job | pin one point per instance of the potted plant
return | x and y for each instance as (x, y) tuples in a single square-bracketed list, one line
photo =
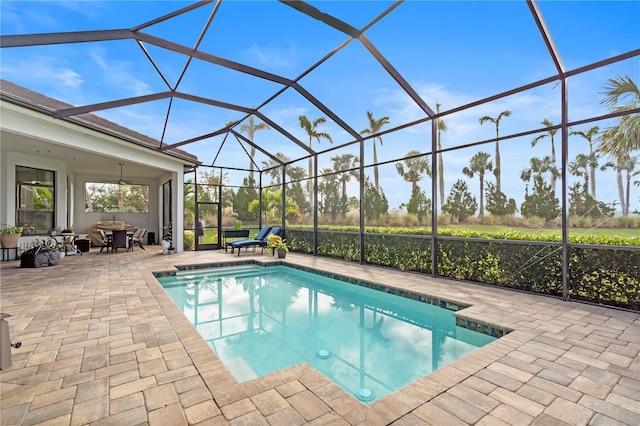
[(9, 236), (277, 243), (167, 240)]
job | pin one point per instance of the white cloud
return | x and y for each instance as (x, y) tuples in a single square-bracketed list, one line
[(271, 56), (42, 68), (118, 74)]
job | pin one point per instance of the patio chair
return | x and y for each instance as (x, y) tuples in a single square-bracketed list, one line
[(261, 240), (136, 238), (105, 242), (119, 239)]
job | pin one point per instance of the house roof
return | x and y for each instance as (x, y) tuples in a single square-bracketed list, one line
[(18, 95)]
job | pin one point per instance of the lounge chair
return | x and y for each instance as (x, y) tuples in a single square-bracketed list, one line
[(261, 240)]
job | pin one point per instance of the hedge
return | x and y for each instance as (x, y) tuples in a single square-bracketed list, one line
[(601, 269)]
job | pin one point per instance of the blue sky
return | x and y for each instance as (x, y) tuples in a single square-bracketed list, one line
[(450, 52)]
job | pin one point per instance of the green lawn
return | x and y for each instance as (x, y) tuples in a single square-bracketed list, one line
[(607, 232)]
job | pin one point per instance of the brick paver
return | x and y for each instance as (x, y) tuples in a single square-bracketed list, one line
[(103, 344)]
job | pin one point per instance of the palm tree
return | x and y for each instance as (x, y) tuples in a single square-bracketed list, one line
[(627, 164), (345, 164), (540, 166), (618, 167), (620, 140), (310, 127), (296, 173), (442, 127), (593, 156), (326, 180), (274, 167), (497, 171), (374, 128), (580, 167), (415, 167), (295, 191), (550, 134), (479, 163), (251, 128)]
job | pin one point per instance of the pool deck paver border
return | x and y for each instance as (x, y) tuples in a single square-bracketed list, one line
[(104, 344)]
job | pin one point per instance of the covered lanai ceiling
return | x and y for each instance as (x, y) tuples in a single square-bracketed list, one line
[(200, 76)]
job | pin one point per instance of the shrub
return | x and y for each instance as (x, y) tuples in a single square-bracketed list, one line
[(189, 240), (603, 274), (444, 219), (410, 219), (460, 204), (631, 222), (580, 222)]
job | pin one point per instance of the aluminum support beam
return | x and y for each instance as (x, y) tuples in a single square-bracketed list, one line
[(63, 38), (325, 18), (546, 35), (85, 109), (565, 205)]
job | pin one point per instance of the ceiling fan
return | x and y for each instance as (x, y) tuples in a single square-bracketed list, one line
[(122, 181)]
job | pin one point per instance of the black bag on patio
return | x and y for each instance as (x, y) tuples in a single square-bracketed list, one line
[(39, 257)]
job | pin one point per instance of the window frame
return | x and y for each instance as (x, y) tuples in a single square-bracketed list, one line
[(22, 187)]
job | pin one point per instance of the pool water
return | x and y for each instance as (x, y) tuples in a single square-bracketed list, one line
[(264, 319)]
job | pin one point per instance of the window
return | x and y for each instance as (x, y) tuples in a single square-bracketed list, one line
[(112, 197), (35, 200)]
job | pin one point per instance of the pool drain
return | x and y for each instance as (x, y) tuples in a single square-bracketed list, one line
[(365, 394), (323, 354)]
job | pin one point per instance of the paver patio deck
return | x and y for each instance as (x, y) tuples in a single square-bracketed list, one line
[(103, 344)]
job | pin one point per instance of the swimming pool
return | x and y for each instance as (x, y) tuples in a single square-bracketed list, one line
[(263, 319)]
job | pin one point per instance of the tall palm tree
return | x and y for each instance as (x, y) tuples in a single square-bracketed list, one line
[(540, 166), (479, 163), (620, 140), (296, 173), (442, 127), (374, 128), (325, 181), (295, 192), (551, 135), (311, 128), (580, 167), (497, 171), (250, 129), (618, 168), (629, 166), (593, 156), (346, 164), (274, 167), (415, 166)]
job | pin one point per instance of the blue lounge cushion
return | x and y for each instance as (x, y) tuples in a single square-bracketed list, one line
[(275, 231), (264, 233), (260, 237)]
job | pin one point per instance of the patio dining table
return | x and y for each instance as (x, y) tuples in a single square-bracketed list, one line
[(129, 242)]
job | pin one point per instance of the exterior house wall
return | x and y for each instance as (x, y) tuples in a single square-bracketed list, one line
[(26, 124)]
